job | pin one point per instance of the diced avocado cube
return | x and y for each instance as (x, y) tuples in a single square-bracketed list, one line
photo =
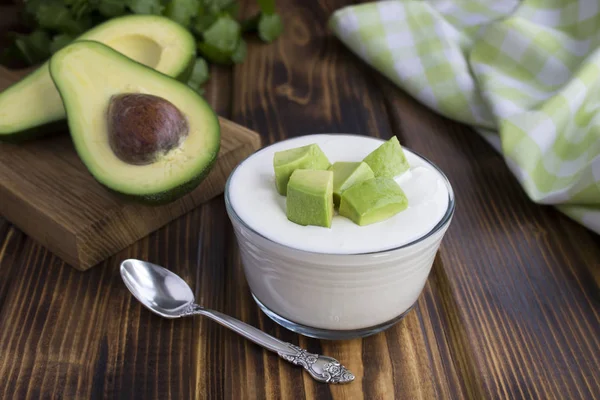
[(388, 160), (287, 161), (373, 201), (346, 174), (310, 197)]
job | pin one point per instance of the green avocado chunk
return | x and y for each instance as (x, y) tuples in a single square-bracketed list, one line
[(32, 106), (346, 174), (139, 132), (287, 161), (310, 197), (388, 160), (373, 201)]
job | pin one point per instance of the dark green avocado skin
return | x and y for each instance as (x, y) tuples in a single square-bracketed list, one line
[(51, 128), (168, 196), (184, 76)]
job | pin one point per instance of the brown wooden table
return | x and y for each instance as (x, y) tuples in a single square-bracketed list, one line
[(511, 309)]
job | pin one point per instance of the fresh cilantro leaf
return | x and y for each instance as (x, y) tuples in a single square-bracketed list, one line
[(145, 6), (182, 11), (269, 27), (59, 41), (217, 6), (111, 8), (49, 15), (239, 54), (200, 74), (213, 54), (233, 9), (203, 22), (34, 47), (267, 6), (80, 8), (211, 10), (32, 6), (224, 34), (56, 17)]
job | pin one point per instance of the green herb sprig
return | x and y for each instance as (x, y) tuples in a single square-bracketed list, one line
[(214, 23)]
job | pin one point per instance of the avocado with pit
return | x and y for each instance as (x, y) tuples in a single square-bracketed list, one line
[(388, 160), (140, 133), (372, 201), (32, 106), (310, 197), (287, 161), (347, 174)]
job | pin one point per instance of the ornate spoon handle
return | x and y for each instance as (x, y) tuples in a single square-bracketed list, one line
[(322, 368)]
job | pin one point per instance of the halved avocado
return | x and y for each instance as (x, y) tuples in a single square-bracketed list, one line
[(139, 132), (32, 106)]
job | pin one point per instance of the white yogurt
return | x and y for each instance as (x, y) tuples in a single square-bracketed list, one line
[(257, 203), (348, 280)]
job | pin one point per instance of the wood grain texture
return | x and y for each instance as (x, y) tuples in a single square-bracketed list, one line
[(510, 311), (513, 267), (48, 193)]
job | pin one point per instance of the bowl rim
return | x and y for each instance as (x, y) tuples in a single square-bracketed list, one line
[(443, 222)]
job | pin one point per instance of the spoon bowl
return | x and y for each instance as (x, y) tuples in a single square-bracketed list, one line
[(157, 288)]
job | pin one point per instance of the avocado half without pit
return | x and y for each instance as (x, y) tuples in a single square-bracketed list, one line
[(139, 132), (32, 107)]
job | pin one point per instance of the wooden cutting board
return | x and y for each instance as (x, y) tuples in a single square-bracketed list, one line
[(46, 191)]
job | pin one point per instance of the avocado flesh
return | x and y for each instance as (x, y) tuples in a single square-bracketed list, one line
[(346, 174), (372, 201), (388, 160), (32, 106), (285, 162), (88, 76), (310, 197)]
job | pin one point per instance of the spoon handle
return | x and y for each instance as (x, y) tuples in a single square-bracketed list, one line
[(322, 368)]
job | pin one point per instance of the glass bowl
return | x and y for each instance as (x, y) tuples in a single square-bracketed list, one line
[(336, 296)]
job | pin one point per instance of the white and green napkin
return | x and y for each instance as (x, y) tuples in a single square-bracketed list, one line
[(525, 74)]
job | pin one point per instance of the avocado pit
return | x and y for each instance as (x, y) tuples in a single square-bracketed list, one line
[(142, 127)]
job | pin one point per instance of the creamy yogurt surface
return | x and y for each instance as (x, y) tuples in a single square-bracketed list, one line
[(255, 200)]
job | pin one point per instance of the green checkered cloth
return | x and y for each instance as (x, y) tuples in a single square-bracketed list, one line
[(524, 74)]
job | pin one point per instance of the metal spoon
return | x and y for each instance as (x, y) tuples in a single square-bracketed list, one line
[(167, 295)]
